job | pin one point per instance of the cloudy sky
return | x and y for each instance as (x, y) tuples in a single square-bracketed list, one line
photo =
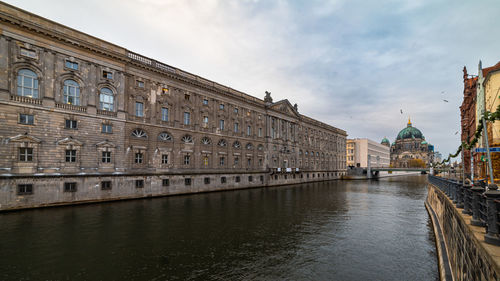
[(354, 64)]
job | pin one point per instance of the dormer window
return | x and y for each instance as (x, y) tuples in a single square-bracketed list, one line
[(164, 90), (107, 74), (140, 84), (236, 110), (221, 106), (186, 97), (71, 65)]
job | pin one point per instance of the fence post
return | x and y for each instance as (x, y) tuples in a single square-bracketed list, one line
[(460, 195), (492, 235), (467, 199), (476, 208)]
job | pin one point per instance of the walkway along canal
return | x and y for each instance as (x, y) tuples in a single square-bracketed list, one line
[(337, 230)]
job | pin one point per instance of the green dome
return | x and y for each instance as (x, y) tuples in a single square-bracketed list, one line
[(410, 133), (424, 142), (385, 141)]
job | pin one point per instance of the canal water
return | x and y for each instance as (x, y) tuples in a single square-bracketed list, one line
[(338, 230)]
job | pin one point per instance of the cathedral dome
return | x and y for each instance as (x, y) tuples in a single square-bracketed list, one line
[(410, 133), (385, 141)]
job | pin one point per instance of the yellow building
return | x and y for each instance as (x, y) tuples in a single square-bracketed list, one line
[(491, 87)]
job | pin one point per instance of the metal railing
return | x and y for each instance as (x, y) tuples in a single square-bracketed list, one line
[(475, 200)]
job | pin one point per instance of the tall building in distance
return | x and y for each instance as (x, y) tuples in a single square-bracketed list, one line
[(411, 150), (85, 120), (361, 149)]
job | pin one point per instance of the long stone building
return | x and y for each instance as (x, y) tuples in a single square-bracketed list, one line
[(83, 120)]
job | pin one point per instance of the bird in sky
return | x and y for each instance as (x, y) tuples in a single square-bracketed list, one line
[(401, 111), (445, 100), (456, 132)]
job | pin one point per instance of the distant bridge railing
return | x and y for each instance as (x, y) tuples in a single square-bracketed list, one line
[(483, 204)]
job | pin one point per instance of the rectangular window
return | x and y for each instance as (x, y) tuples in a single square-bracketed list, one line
[(221, 106), (237, 179), (70, 155), (106, 128), (28, 53), (106, 157), (138, 158), (26, 119), (221, 161), (71, 124), (164, 158), (206, 180), (70, 187), (205, 102), (139, 183), (107, 75), (221, 125), (260, 132), (165, 182), (261, 178), (236, 160), (187, 118), (205, 119), (186, 97), (24, 189), (25, 154), (249, 130), (140, 84), (71, 65), (164, 114), (250, 178), (223, 180), (187, 181), (187, 158), (105, 185), (139, 109), (236, 110), (260, 162), (205, 161), (236, 127), (249, 162)]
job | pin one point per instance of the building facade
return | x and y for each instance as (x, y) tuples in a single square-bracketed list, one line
[(83, 120), (411, 150), (468, 117), (491, 92), (360, 151)]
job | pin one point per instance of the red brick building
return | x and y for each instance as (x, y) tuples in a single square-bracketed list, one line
[(468, 118)]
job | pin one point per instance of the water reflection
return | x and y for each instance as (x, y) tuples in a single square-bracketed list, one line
[(354, 230)]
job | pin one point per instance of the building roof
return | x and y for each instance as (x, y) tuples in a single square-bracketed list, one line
[(487, 70)]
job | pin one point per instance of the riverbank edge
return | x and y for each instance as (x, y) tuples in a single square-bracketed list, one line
[(442, 254), (461, 247), (153, 196)]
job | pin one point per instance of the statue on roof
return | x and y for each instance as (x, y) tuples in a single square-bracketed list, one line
[(268, 98)]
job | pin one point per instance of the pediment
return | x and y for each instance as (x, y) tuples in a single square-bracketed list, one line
[(25, 138), (105, 143), (69, 141), (286, 107)]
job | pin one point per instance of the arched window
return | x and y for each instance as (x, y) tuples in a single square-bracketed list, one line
[(164, 136), (71, 93), (106, 99), (222, 143), (249, 146), (237, 144), (139, 133), (206, 141), (27, 83), (187, 139), (260, 147)]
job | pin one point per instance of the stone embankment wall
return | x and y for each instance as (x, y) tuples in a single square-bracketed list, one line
[(462, 252)]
